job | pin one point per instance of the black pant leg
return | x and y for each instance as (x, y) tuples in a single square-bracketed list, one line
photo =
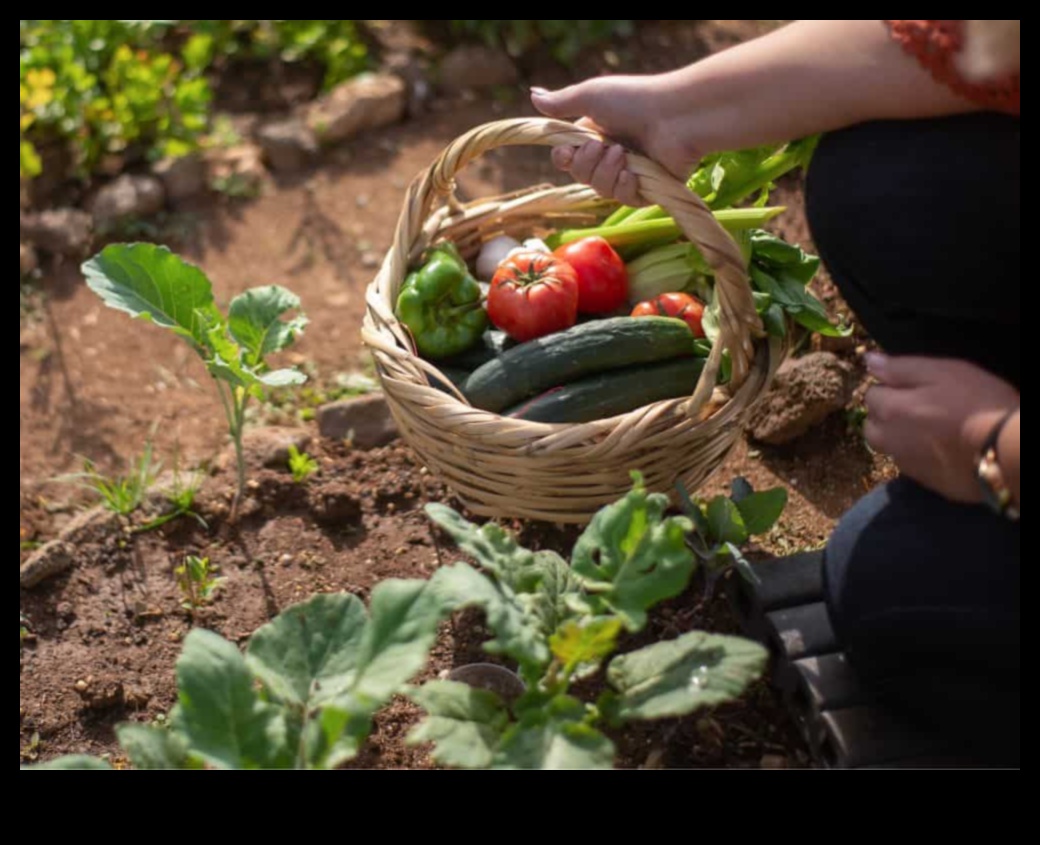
[(919, 223), (924, 595)]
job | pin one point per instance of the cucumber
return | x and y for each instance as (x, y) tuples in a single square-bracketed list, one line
[(455, 376), (608, 394), (531, 368)]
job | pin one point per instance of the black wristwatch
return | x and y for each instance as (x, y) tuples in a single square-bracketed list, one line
[(995, 491)]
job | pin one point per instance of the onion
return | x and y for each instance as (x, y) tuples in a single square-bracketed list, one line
[(493, 253)]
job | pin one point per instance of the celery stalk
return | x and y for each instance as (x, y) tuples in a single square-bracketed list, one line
[(633, 238)]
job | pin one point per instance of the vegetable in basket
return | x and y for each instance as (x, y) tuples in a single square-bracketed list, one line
[(687, 308), (668, 269), (533, 294), (602, 276), (441, 305)]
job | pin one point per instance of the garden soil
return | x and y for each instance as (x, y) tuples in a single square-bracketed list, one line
[(103, 637)]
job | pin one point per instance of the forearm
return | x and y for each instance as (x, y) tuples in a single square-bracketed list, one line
[(808, 77)]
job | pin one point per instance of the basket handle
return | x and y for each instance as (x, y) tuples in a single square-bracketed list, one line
[(738, 320)]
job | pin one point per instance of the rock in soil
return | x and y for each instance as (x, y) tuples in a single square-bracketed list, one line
[(241, 164), (365, 421), (183, 177), (473, 67), (60, 554), (266, 448), (99, 693), (28, 261), (62, 231), (807, 390), (48, 560), (288, 145), (128, 196), (365, 102)]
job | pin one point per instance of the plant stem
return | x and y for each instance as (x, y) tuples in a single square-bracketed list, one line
[(234, 402)]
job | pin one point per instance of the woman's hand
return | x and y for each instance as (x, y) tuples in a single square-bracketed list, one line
[(631, 110), (932, 415), (808, 77)]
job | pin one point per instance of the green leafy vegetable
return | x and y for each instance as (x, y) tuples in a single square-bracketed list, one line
[(151, 283), (561, 623), (674, 678)]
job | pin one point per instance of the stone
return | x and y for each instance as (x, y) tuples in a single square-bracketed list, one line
[(288, 145), (62, 231), (366, 102), (28, 260), (266, 447), (183, 177), (238, 171), (475, 67), (807, 390), (129, 196), (365, 421), (48, 560)]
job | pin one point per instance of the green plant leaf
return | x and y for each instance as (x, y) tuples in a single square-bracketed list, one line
[(516, 624), (308, 655), (465, 724), (72, 762), (630, 557), (552, 736), (402, 627), (760, 511), (220, 715), (282, 378), (553, 592), (677, 677), (583, 643), (726, 522), (152, 283), (152, 748), (255, 321), (337, 734), (493, 547)]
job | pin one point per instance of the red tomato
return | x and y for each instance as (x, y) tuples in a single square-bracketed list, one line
[(681, 305), (533, 294), (602, 275)]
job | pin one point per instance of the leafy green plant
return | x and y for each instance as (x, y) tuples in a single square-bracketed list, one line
[(301, 465), (181, 499), (561, 623), (121, 494), (302, 697), (151, 283), (197, 581), (109, 87), (106, 87), (564, 38), (725, 523)]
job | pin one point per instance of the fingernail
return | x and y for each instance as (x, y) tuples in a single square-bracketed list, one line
[(875, 362), (565, 156), (539, 92)]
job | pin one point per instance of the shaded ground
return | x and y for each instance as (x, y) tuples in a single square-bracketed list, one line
[(93, 383)]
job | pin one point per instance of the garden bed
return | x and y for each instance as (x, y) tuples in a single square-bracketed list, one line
[(103, 636)]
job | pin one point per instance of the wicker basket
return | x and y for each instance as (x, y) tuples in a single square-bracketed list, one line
[(503, 467)]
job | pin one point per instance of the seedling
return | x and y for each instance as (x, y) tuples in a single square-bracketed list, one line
[(154, 284), (181, 499), (197, 581), (723, 524), (121, 494), (301, 465)]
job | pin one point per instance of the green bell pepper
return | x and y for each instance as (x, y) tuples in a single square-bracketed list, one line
[(441, 305)]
